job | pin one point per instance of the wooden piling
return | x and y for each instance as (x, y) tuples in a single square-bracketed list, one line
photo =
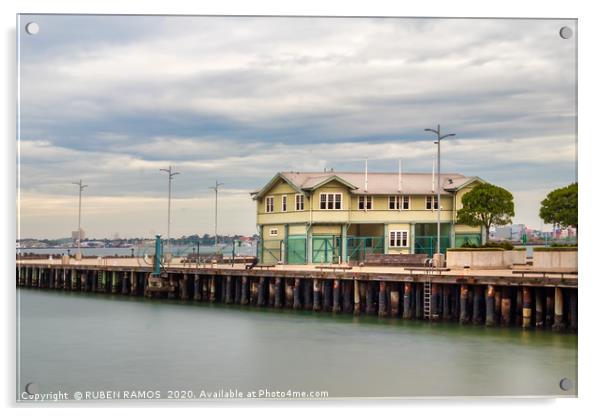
[(277, 296), (527, 307), (244, 290), (519, 307), (228, 290), (477, 316), (288, 292), (572, 309), (308, 294), (464, 316), (213, 289), (446, 302), (407, 301), (357, 305), (490, 306), (237, 289), (435, 302), (506, 307), (370, 309), (382, 299), (347, 288), (539, 310), (558, 309), (317, 294), (272, 291), (327, 299), (297, 294), (197, 287), (336, 296), (261, 291), (394, 300), (549, 321), (498, 305)]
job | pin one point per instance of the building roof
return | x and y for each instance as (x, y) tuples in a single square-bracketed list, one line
[(378, 183)]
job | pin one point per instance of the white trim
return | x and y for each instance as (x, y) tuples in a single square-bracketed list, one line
[(297, 202), (270, 197), (273, 232), (284, 203), (433, 199), (328, 194), (365, 197), (403, 235)]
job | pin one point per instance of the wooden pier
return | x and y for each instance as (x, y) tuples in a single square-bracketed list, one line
[(492, 298)]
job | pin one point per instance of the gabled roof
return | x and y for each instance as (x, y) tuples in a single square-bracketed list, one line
[(378, 183)]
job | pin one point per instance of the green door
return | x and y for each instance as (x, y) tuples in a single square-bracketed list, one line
[(297, 249), (323, 249)]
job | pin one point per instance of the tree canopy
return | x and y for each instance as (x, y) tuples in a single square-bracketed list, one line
[(560, 207), (486, 205)]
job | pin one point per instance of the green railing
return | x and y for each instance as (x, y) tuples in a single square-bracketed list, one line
[(428, 244), (296, 250), (359, 247)]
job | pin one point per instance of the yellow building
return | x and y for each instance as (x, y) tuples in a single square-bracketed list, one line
[(323, 217)]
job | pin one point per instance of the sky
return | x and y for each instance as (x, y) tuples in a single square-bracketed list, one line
[(113, 99)]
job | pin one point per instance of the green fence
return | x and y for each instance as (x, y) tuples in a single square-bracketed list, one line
[(474, 239), (359, 247), (428, 244), (325, 249)]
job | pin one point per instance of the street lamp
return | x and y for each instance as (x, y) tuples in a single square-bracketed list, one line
[(170, 175), (215, 188), (81, 187), (438, 143)]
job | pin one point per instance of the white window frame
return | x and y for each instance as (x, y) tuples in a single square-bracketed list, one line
[(299, 202), (273, 232), (405, 198), (284, 203), (398, 202), (365, 199), (330, 198), (269, 202), (433, 201), (398, 237)]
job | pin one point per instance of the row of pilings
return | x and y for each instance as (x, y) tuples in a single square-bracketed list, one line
[(491, 305)]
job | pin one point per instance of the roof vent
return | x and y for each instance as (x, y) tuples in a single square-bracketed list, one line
[(450, 180)]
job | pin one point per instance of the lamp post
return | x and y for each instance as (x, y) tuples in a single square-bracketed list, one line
[(216, 188), (170, 175), (81, 187), (438, 143)]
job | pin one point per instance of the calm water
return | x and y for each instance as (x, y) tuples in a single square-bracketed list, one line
[(77, 342)]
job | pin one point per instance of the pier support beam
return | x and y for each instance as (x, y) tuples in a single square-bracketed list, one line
[(519, 307), (549, 307), (527, 307), (446, 304), (435, 299), (317, 294), (237, 289), (357, 302), (197, 287), (477, 317), (288, 293), (307, 294), (558, 309), (347, 287), (277, 295), (244, 290), (336, 296), (297, 295), (382, 299), (327, 290), (572, 309), (369, 298), (539, 311), (490, 306), (394, 300), (272, 291), (212, 289), (506, 307), (419, 301), (407, 300), (261, 291)]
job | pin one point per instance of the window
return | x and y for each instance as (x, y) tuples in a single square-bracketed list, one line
[(273, 232), (399, 202), (283, 203), (331, 201), (365, 202), (269, 204), (398, 239), (299, 202), (431, 202)]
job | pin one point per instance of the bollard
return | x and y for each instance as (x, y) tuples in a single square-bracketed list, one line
[(558, 309), (490, 306), (539, 312), (526, 307), (464, 317), (357, 304), (336, 296), (297, 294), (317, 294), (506, 307)]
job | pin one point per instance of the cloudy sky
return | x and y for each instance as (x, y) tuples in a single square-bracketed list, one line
[(112, 99)]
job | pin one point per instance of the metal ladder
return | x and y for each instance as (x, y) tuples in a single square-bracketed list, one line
[(427, 300)]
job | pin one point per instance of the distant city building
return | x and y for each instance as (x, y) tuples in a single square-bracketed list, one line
[(512, 232), (75, 235)]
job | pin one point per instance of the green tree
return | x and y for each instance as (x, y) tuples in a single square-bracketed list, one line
[(560, 207), (486, 205)]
